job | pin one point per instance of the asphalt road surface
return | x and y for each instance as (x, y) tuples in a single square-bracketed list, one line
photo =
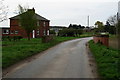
[(66, 60)]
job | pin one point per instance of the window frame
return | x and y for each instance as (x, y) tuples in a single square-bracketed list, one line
[(38, 32), (16, 32), (11, 32), (44, 23), (5, 31), (44, 32)]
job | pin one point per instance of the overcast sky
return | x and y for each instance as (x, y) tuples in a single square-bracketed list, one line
[(64, 12)]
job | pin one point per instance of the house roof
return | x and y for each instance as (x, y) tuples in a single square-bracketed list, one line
[(37, 15), (4, 27)]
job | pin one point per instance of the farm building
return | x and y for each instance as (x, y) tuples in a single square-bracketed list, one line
[(16, 30)]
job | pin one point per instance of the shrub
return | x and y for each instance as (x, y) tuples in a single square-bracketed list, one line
[(52, 32), (4, 38), (15, 38), (46, 39), (11, 38)]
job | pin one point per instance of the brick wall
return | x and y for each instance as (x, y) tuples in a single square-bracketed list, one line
[(39, 32), (102, 39)]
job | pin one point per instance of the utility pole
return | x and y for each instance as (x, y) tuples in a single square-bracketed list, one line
[(88, 21), (118, 30), (118, 35)]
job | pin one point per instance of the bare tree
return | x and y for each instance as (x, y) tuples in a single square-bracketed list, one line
[(3, 11), (118, 33), (113, 20)]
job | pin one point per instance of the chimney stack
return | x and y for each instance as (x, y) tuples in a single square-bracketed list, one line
[(32, 9)]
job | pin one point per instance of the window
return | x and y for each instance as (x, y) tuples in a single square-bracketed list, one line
[(6, 31), (38, 32), (44, 24), (16, 32), (19, 24), (47, 32), (44, 32), (12, 32), (38, 24)]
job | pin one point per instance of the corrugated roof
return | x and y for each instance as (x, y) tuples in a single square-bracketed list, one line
[(37, 15)]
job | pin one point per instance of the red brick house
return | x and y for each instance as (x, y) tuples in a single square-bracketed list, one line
[(16, 29)]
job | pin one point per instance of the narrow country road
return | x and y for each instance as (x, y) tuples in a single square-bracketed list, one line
[(66, 60)]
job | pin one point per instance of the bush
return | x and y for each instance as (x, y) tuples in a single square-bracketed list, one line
[(17, 38), (11, 38), (46, 39), (70, 32), (5, 38), (52, 32)]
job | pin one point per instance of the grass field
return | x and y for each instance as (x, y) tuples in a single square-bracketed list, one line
[(107, 61), (14, 51)]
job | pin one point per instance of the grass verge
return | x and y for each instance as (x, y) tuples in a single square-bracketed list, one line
[(107, 61), (13, 52)]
